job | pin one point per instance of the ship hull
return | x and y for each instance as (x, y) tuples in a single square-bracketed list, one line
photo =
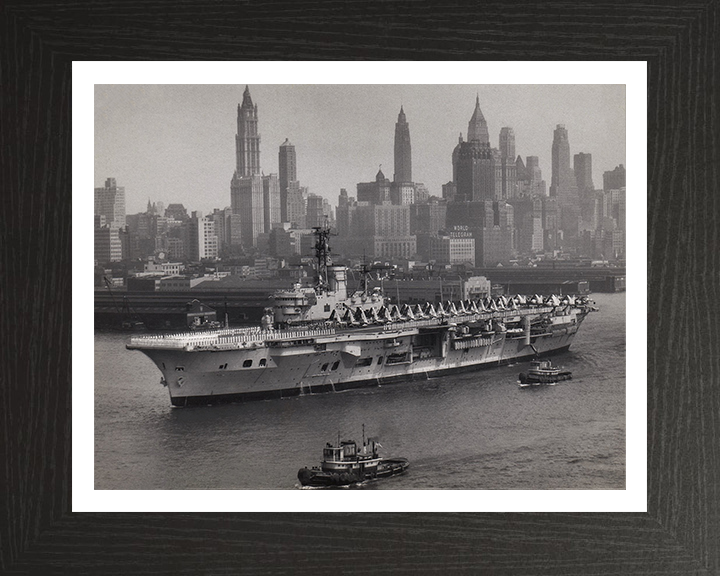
[(317, 478), (346, 362)]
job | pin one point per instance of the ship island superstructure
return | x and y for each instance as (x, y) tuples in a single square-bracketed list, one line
[(320, 338)]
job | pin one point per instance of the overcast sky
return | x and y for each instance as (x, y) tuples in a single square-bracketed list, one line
[(176, 143)]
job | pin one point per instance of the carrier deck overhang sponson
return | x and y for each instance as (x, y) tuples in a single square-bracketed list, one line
[(245, 339)]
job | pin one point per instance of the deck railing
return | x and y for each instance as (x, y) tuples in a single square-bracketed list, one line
[(227, 338), (233, 338)]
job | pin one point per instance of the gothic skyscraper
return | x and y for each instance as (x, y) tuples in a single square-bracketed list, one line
[(476, 166), (255, 198), (403, 157), (247, 139), (477, 127)]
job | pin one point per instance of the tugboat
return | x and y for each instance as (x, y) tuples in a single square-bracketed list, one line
[(543, 372), (343, 464)]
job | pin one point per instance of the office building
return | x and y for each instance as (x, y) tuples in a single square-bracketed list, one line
[(271, 202), (377, 192), (108, 247), (492, 226), (110, 203), (582, 166), (403, 153), (453, 246), (315, 215), (477, 168), (247, 200), (287, 173), (428, 217), (247, 139), (296, 205), (507, 164), (564, 187), (614, 179), (203, 241), (529, 177), (527, 215)]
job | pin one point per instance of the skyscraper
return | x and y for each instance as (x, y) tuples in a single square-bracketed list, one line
[(507, 143), (315, 211), (530, 180), (247, 201), (563, 186), (614, 179), (110, 202), (256, 198), (403, 156), (377, 192), (202, 237), (271, 202), (296, 204), (477, 127), (508, 165), (491, 224), (247, 139), (108, 246), (582, 165), (477, 168), (287, 173)]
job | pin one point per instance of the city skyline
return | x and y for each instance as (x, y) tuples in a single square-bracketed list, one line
[(342, 133)]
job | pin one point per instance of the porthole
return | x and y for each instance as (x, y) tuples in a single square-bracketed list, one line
[(247, 364)]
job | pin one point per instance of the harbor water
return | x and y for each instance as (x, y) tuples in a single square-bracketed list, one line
[(477, 430)]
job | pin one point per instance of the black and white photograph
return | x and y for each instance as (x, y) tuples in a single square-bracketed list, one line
[(360, 286), (458, 166)]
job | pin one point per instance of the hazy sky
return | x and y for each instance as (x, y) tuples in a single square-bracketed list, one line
[(176, 143)]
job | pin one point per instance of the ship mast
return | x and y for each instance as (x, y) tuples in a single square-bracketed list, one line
[(322, 254), (365, 271)]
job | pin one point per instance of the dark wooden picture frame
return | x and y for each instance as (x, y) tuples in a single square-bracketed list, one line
[(681, 530)]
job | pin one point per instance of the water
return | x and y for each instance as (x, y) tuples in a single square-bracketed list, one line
[(477, 430)]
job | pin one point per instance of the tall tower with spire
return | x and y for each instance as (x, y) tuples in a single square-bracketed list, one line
[(247, 139), (254, 197), (477, 127), (477, 168), (403, 157)]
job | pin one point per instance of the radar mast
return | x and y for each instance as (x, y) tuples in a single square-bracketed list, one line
[(322, 254)]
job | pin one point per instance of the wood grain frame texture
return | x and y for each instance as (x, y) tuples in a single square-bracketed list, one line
[(681, 531)]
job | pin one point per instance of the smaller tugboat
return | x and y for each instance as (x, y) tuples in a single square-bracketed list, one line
[(344, 464), (543, 372)]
